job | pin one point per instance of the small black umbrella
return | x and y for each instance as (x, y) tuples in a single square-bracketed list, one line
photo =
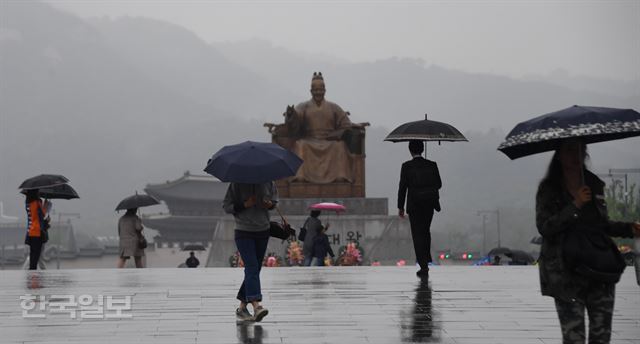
[(253, 163), (590, 124), (43, 181), (518, 256), (194, 247), (62, 191), (136, 201), (498, 251), (425, 130)]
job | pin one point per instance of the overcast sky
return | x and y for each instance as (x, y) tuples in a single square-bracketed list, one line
[(516, 38)]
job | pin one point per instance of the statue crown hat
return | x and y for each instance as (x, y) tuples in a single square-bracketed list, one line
[(317, 76)]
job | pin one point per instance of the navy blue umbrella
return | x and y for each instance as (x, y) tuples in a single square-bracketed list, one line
[(590, 124), (253, 163)]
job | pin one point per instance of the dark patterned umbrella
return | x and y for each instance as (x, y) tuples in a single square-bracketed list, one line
[(590, 124), (425, 130), (43, 181), (62, 191), (136, 201)]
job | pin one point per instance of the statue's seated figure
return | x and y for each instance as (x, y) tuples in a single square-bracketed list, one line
[(322, 134)]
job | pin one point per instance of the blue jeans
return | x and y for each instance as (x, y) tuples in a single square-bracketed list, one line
[(252, 252), (319, 261), (307, 260)]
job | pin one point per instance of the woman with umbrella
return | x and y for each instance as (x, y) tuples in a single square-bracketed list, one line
[(37, 221), (579, 263), (251, 168), (132, 243)]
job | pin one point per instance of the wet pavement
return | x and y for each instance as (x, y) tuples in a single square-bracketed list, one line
[(353, 305)]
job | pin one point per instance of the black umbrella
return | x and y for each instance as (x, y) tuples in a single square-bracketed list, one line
[(62, 191), (425, 130), (194, 247), (43, 181), (590, 124), (498, 251), (518, 256), (253, 163), (136, 201)]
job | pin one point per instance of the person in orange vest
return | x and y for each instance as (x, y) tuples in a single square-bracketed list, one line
[(37, 227)]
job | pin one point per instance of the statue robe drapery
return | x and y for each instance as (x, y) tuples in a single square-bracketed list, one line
[(326, 156)]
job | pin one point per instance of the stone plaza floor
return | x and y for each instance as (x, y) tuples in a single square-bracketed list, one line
[(460, 304)]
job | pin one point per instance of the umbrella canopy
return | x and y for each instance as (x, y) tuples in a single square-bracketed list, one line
[(590, 124), (328, 206), (253, 163), (498, 251), (425, 130), (136, 201), (62, 191), (43, 181), (520, 256), (194, 247)]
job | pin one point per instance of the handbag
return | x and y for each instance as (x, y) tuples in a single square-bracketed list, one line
[(592, 253), (142, 241), (303, 231), (281, 230)]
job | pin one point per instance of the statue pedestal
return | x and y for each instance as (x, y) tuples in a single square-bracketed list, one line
[(312, 190), (355, 206)]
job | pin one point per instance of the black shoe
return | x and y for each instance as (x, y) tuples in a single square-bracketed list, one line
[(423, 273)]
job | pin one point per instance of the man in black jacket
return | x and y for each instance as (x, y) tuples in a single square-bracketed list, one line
[(422, 179)]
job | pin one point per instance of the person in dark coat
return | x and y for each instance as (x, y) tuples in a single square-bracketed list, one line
[(321, 246), (419, 184), (313, 226), (192, 261), (564, 203)]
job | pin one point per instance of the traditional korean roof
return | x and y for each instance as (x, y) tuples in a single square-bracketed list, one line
[(189, 187)]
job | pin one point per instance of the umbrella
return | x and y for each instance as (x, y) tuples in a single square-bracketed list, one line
[(253, 163), (425, 130), (498, 251), (136, 201), (328, 206), (590, 124), (518, 256), (62, 191), (42, 181), (194, 247)]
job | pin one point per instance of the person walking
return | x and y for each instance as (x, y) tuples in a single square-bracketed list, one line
[(192, 261), (130, 231), (37, 227), (250, 205), (321, 246), (570, 202), (419, 185), (313, 226)]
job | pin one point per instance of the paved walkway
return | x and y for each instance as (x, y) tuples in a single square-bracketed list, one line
[(314, 305)]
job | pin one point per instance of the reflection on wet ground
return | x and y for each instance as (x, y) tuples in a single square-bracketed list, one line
[(306, 305)]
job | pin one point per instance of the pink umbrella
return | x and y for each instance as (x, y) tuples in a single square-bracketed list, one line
[(328, 206)]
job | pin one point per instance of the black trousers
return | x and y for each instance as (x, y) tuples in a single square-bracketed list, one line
[(35, 245), (421, 233)]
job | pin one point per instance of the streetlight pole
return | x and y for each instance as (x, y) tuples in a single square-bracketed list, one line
[(497, 214)]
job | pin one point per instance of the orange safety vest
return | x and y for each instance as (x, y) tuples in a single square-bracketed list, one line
[(35, 216)]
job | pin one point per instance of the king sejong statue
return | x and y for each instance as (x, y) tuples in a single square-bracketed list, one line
[(322, 129)]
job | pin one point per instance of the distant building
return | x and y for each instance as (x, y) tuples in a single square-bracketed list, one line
[(195, 207)]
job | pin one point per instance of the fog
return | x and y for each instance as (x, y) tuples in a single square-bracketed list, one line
[(114, 103)]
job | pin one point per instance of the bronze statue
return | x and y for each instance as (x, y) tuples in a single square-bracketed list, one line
[(322, 134)]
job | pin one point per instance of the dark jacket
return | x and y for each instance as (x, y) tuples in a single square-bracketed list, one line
[(422, 179), (321, 246), (192, 262), (555, 215)]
